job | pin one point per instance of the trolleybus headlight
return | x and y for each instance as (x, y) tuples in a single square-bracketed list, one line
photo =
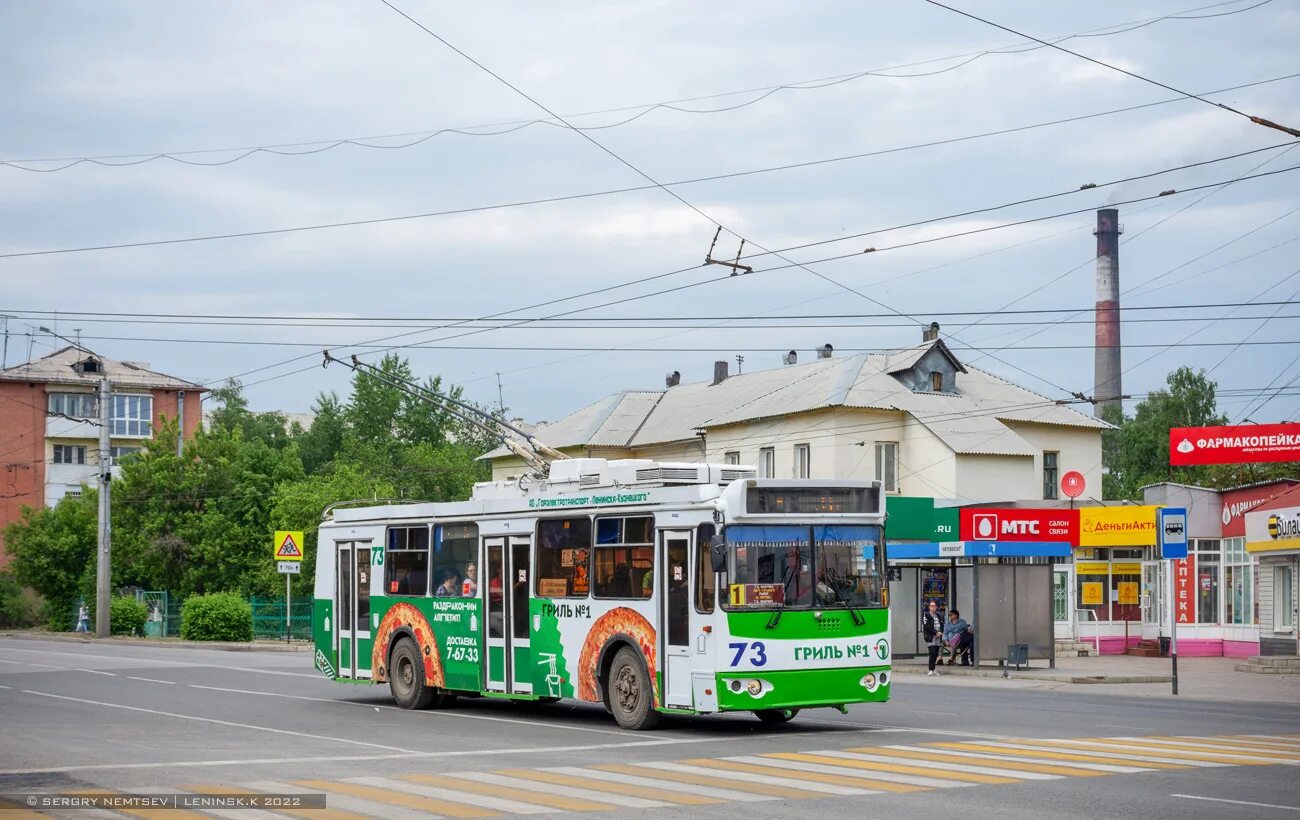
[(869, 681), (754, 687), (737, 685), (884, 678)]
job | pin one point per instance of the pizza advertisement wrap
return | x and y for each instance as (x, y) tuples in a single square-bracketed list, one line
[(406, 615), (571, 635)]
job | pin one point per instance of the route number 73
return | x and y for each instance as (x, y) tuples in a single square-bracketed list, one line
[(757, 652)]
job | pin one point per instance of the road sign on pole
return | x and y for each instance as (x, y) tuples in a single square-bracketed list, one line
[(1171, 538), (289, 567), (288, 545), (1171, 531)]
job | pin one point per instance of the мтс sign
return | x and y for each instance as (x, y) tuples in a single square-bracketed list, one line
[(1015, 524)]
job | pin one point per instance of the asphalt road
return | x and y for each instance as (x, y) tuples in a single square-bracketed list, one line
[(87, 717)]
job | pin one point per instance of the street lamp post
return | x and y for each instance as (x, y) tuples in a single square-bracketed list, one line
[(103, 564)]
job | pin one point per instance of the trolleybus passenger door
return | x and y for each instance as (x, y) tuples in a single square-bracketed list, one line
[(352, 609), (675, 611), (517, 617), (496, 590)]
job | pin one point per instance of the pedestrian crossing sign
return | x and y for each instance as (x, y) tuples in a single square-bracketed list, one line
[(288, 545)]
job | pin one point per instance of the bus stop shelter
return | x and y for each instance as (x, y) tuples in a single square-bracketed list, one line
[(999, 587)]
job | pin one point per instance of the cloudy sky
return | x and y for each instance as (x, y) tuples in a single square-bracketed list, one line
[(91, 79)]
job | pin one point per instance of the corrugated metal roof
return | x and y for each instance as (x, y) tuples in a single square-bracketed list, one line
[(56, 368), (968, 421)]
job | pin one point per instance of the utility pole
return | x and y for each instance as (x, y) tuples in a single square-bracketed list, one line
[(103, 566), (501, 399)]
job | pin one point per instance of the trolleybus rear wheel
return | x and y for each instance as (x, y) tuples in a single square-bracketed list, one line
[(776, 715), (631, 698), (406, 677)]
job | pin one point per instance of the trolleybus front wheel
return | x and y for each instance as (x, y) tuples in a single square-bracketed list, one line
[(776, 715), (630, 697), (406, 677)]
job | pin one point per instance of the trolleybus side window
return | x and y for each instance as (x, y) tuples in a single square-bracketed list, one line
[(406, 566), (563, 557), (455, 561), (623, 558), (706, 582)]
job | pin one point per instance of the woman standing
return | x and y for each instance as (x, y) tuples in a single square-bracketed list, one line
[(932, 631)]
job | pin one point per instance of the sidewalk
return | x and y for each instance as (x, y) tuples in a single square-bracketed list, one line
[(1201, 678), (76, 637)]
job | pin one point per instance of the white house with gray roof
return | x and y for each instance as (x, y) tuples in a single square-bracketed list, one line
[(918, 419)]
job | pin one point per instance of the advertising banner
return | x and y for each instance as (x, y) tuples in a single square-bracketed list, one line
[(1236, 503), (1117, 526), (1273, 530), (1185, 589), (1237, 444), (1007, 524)]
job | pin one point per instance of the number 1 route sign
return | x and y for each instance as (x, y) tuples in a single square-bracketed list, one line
[(288, 545)]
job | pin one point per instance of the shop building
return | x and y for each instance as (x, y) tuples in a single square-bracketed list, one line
[(1273, 539)]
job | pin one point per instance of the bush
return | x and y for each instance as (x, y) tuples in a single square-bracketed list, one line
[(221, 616), (126, 616), (17, 606)]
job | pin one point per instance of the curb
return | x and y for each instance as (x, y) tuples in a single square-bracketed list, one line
[(1038, 675), (72, 637)]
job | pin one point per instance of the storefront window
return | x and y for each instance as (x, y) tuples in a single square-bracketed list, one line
[(1093, 580), (1283, 602), (1207, 580), (1239, 576), (1125, 579)]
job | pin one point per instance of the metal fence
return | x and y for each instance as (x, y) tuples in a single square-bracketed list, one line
[(268, 618)]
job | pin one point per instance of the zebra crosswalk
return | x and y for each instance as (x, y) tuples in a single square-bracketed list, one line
[(902, 769)]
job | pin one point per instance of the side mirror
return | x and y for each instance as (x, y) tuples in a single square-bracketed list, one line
[(718, 551)]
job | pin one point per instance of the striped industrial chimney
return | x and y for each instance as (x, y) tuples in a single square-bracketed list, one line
[(1107, 347)]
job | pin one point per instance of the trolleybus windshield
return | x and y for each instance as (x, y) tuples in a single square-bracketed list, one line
[(804, 567)]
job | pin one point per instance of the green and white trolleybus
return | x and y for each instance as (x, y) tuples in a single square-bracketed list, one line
[(648, 587)]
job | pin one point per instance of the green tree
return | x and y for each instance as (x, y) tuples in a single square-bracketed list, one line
[(1141, 454), (52, 551), (232, 413), (320, 443)]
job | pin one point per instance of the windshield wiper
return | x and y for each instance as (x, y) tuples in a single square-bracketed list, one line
[(773, 621), (858, 620)]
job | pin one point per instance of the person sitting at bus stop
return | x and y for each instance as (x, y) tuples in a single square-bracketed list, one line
[(959, 637), (450, 586)]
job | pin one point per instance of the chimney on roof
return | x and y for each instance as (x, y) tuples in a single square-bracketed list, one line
[(719, 372), (931, 333), (790, 358), (825, 351), (673, 379)]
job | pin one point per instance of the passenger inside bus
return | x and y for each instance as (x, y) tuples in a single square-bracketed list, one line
[(449, 586)]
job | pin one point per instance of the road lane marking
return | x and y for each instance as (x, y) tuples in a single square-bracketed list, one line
[(872, 781), (1007, 756), (151, 680), (557, 801), (295, 761), (345, 808), (1115, 754), (426, 714), (912, 775), (1232, 746), (1012, 752), (232, 724), (238, 814), (685, 774), (627, 801), (829, 783), (118, 658), (20, 663), (951, 764), (1247, 741), (1198, 751), (980, 761), (1236, 802), (596, 784), (385, 796), (96, 672), (454, 797), (48, 666), (159, 814), (637, 778)]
